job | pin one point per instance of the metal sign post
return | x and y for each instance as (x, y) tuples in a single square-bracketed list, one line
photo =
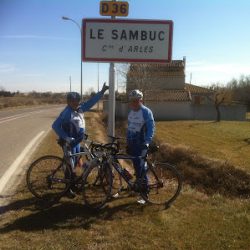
[(111, 103)]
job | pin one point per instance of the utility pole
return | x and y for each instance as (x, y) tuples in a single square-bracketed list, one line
[(80, 29), (69, 83), (190, 78)]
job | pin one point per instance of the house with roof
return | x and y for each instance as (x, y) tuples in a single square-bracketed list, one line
[(170, 98)]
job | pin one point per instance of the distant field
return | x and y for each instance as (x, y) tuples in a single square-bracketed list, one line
[(226, 140), (17, 101), (196, 220)]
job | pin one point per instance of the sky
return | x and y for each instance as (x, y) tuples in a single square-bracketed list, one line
[(39, 50)]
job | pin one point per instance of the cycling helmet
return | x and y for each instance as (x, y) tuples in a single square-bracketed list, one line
[(135, 94), (73, 96)]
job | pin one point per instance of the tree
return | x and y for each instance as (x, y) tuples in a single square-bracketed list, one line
[(139, 74), (121, 77), (2, 88), (222, 95), (240, 90), (90, 92)]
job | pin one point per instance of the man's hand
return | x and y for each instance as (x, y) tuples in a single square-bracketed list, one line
[(104, 88), (69, 140), (145, 146), (144, 149)]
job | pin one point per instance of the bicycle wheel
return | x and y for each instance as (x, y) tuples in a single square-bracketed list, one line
[(48, 177), (164, 184), (97, 186)]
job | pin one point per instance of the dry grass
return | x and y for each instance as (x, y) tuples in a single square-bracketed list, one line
[(197, 220), (207, 175), (227, 141), (20, 101)]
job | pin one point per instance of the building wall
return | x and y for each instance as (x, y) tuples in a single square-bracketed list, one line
[(167, 83), (170, 110), (184, 111), (228, 112)]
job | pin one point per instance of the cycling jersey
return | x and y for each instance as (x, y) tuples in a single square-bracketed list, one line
[(141, 125), (140, 131), (70, 123)]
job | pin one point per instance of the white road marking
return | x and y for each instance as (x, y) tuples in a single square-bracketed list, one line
[(11, 119), (11, 170), (14, 117)]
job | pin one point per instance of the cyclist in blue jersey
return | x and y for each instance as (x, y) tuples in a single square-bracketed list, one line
[(70, 124), (141, 128)]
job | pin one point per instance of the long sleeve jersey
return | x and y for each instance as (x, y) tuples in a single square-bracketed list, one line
[(141, 125), (70, 123)]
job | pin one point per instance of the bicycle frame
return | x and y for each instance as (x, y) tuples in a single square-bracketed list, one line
[(69, 156), (113, 161)]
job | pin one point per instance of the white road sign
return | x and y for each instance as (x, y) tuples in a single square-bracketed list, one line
[(127, 40)]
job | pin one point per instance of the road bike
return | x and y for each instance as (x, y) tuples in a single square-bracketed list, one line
[(50, 177), (160, 184)]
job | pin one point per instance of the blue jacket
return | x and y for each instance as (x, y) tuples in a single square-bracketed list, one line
[(70, 123), (141, 126)]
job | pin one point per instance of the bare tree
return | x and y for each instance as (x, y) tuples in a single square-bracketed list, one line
[(90, 91), (221, 96), (139, 74), (240, 89), (121, 76)]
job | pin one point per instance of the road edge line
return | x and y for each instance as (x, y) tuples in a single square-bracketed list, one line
[(13, 167)]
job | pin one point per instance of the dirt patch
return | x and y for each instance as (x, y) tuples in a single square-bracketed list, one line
[(205, 174), (95, 124)]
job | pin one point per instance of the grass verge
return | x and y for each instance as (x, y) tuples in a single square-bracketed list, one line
[(228, 141)]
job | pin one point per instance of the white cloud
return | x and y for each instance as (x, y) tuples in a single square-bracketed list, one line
[(222, 68), (207, 72)]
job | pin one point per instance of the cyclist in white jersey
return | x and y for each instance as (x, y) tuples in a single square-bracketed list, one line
[(141, 128)]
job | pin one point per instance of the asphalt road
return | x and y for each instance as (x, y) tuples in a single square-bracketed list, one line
[(18, 127)]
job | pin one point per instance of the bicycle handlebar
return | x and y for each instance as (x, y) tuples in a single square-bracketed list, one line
[(112, 148)]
